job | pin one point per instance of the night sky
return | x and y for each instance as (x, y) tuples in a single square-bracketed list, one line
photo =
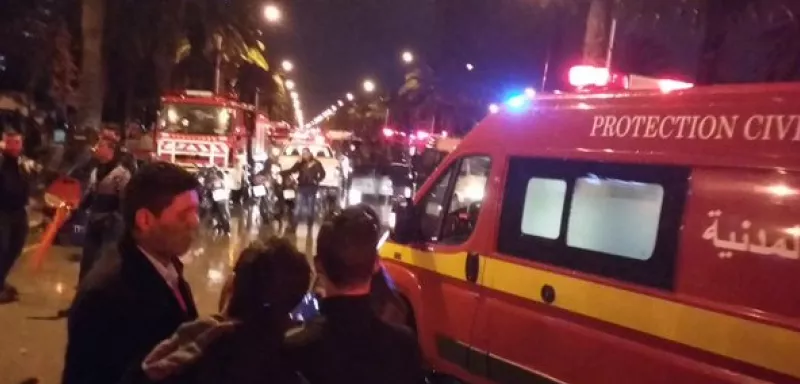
[(336, 44)]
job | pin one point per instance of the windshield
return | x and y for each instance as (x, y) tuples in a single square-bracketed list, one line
[(196, 119)]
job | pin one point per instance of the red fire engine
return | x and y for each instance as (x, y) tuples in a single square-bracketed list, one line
[(197, 129)]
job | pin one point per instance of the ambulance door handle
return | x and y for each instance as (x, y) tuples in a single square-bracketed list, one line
[(472, 266)]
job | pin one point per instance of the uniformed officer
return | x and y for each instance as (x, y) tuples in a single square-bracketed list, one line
[(103, 201)]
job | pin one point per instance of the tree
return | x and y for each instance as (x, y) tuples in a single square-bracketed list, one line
[(90, 107), (63, 70), (750, 41), (598, 29), (36, 45)]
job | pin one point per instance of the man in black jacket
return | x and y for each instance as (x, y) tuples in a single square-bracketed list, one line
[(349, 343), (16, 176), (310, 173), (103, 202), (135, 297)]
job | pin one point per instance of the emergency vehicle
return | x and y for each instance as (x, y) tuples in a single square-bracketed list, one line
[(612, 237), (199, 129), (280, 133)]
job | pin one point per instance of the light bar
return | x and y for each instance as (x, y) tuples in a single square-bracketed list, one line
[(667, 85), (588, 76)]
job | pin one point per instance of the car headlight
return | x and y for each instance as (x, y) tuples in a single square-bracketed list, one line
[(354, 197), (387, 188)]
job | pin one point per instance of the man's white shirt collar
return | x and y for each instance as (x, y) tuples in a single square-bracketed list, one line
[(168, 272)]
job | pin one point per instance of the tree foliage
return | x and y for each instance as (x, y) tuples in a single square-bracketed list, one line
[(36, 47), (153, 45)]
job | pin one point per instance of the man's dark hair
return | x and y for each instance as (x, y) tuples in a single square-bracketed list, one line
[(270, 277), (346, 246), (154, 187), (11, 132)]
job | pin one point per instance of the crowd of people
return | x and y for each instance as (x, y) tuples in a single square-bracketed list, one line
[(134, 320)]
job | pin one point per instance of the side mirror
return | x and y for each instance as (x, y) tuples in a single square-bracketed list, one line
[(404, 221)]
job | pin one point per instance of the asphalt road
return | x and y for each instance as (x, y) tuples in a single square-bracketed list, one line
[(33, 337)]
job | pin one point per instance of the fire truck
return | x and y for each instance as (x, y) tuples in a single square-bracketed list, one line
[(198, 129)]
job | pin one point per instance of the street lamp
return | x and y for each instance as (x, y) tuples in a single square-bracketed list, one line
[(341, 103), (349, 96), (289, 84), (287, 66), (272, 14), (407, 57), (369, 86), (470, 67)]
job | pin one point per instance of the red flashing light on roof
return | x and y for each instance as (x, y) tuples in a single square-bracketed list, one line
[(198, 93), (667, 85), (581, 76)]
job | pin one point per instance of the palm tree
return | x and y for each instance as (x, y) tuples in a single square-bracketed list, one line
[(90, 107), (598, 28)]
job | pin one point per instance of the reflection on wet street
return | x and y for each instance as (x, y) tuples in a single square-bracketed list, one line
[(33, 337)]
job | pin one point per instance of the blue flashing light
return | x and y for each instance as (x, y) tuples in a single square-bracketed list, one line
[(517, 102)]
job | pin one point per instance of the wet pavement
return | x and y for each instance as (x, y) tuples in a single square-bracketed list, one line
[(33, 337)]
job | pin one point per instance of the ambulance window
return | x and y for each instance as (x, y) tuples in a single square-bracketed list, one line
[(615, 217), (620, 221), (543, 208), (465, 203), (433, 207)]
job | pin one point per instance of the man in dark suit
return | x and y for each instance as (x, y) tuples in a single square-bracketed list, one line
[(135, 295)]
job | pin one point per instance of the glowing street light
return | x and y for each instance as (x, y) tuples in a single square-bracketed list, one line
[(470, 67), (289, 84), (407, 57), (272, 14), (287, 65), (369, 86), (341, 103), (350, 96)]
